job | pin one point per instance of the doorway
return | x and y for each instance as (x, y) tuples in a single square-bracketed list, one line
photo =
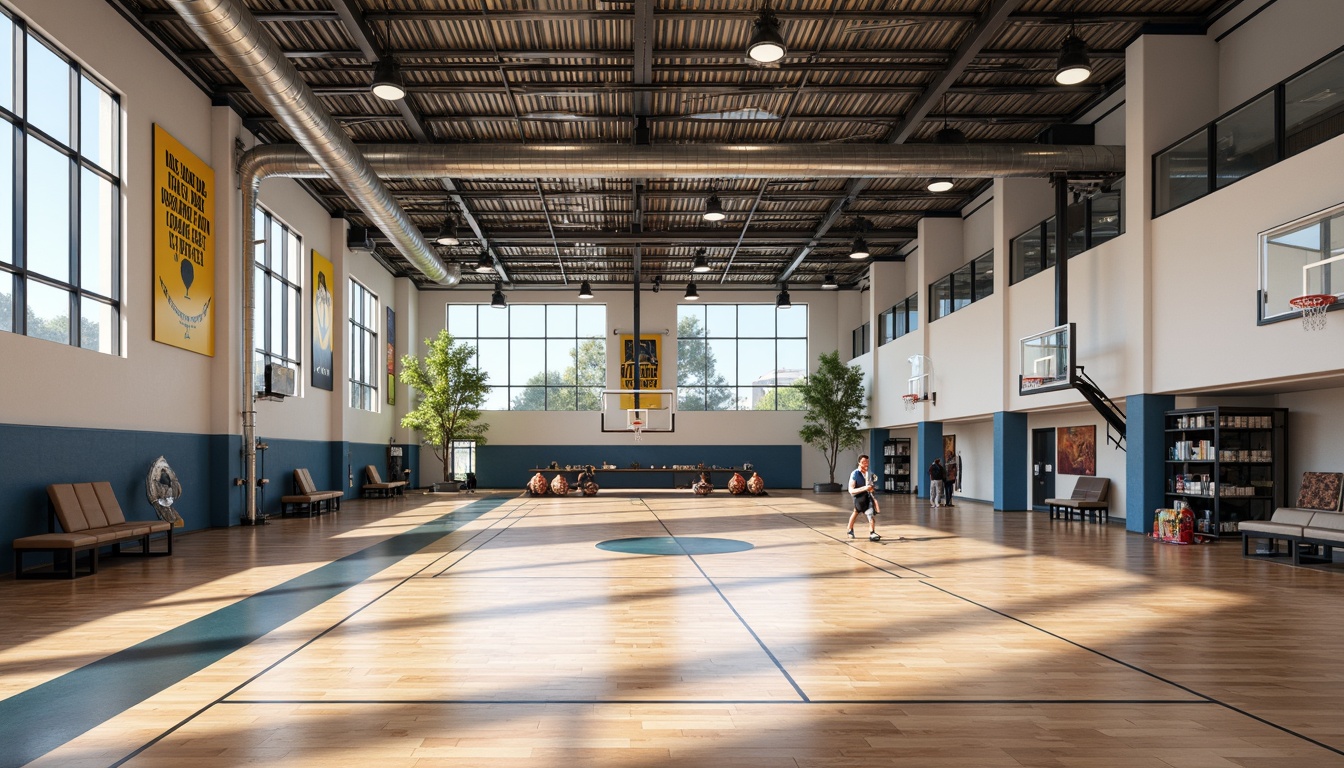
[(1042, 467)]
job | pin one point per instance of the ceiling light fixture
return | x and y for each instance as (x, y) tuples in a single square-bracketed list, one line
[(387, 83), (714, 209), (858, 249), (940, 185), (947, 136), (766, 44), (585, 290), (1074, 65), (829, 283), (782, 298), (691, 293), (483, 262), (701, 262), (497, 298), (448, 229), (657, 283)]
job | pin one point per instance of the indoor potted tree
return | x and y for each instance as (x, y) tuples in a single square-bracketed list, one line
[(833, 402), (451, 391)]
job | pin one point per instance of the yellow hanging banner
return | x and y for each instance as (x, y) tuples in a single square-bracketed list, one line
[(184, 247), (646, 362)]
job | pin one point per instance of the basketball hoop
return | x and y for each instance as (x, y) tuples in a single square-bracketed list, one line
[(910, 401), (637, 425), (1032, 382), (1313, 307)]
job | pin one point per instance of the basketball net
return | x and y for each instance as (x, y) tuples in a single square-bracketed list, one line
[(911, 401), (638, 426), (1313, 307)]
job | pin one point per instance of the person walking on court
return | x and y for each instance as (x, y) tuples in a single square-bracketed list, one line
[(861, 488), (937, 492)]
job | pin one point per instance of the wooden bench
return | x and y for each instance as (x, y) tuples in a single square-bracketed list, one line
[(374, 485), (1310, 535), (1088, 499), (90, 518), (307, 497)]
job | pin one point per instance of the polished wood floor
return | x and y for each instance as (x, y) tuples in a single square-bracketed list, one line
[(964, 638)]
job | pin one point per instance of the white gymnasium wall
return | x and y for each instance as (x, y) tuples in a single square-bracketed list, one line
[(1315, 427), (977, 227), (1206, 273), (657, 312), (151, 385), (1110, 460), (975, 444), (1277, 42)]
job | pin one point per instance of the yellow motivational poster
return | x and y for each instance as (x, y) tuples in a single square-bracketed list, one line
[(184, 247), (643, 360)]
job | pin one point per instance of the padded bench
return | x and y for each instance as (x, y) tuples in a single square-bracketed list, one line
[(90, 519), (1310, 535), (307, 497), (1088, 499), (374, 485)]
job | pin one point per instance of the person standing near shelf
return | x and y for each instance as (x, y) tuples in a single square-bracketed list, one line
[(861, 489), (937, 496)]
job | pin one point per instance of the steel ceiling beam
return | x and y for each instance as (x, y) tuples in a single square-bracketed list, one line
[(442, 56), (994, 17)]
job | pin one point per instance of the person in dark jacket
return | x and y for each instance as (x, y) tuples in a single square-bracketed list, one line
[(937, 489)]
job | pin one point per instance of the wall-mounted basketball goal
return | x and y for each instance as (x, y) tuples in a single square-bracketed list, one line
[(1047, 361), (639, 411)]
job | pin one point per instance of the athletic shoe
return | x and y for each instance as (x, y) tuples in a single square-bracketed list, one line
[(850, 532), (874, 537)]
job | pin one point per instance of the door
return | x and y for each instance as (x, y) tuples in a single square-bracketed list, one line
[(1042, 467)]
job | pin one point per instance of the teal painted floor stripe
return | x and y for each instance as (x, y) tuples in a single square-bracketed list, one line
[(38, 720)]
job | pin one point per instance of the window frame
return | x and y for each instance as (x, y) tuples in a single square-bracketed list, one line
[(270, 279), (365, 353), (1085, 211), (18, 270), (736, 384), (966, 273), (1327, 220), (552, 393)]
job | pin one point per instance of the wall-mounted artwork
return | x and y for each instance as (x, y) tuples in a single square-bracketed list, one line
[(184, 247), (324, 315), (1077, 450), (391, 357), (1320, 490)]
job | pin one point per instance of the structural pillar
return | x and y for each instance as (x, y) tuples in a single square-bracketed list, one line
[(929, 447), (1145, 452), (1011, 457)]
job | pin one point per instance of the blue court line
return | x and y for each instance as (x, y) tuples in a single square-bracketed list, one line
[(42, 718)]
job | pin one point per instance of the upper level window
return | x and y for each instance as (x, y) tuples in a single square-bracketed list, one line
[(1090, 221), (966, 285), (1297, 114), (541, 357), (278, 269), (740, 357), (902, 318), (60, 196), (365, 355)]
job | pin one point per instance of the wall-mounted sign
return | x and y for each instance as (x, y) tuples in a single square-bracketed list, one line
[(324, 318), (184, 247)]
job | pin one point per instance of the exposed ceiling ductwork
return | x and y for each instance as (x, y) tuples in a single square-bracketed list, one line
[(705, 161), (234, 35)]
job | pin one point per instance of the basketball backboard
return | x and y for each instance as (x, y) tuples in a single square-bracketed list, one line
[(645, 410), (1046, 361)]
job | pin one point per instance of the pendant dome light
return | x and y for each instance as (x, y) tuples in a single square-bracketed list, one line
[(858, 249), (585, 290), (829, 283), (1074, 65), (948, 136), (448, 229), (387, 84), (691, 293), (701, 262), (714, 209), (497, 298), (483, 263), (782, 298), (767, 44)]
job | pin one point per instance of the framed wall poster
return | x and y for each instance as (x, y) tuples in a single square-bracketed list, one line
[(184, 247), (1076, 449), (391, 357), (324, 307), (650, 369)]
